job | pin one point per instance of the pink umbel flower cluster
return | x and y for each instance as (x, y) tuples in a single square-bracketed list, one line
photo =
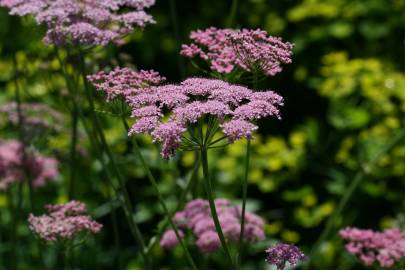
[(36, 116), (281, 253), (63, 222), (15, 168), (249, 50), (197, 218), (124, 82), (386, 248), (166, 111), (89, 22)]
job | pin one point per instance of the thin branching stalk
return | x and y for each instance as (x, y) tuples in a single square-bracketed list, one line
[(97, 142), (181, 202), (204, 143), (245, 185), (152, 180), (359, 177), (123, 191), (210, 195), (25, 166), (73, 150), (244, 197), (22, 136)]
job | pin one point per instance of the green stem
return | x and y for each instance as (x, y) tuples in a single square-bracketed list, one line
[(124, 193), (152, 180), (210, 195), (244, 195), (73, 146), (232, 14), (182, 199), (13, 234), (331, 223)]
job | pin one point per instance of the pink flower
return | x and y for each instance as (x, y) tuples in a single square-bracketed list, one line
[(196, 218), (124, 82), (226, 49), (385, 247), (89, 22), (13, 167), (63, 222), (166, 112), (280, 254), (169, 239)]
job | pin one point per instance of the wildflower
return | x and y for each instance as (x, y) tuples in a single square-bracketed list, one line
[(167, 111), (36, 116), (386, 248), (13, 167), (88, 22), (124, 82), (196, 218), (63, 222), (169, 239), (280, 254), (249, 50)]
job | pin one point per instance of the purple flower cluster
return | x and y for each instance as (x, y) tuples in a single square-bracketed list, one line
[(386, 248), (165, 111), (90, 22), (13, 167), (124, 82), (280, 254), (63, 222), (197, 217), (36, 115), (246, 49)]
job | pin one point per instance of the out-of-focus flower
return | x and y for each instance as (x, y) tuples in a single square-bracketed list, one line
[(197, 218), (165, 112), (14, 167), (89, 22), (246, 49), (280, 254), (386, 248), (169, 239), (63, 222), (124, 82), (36, 116)]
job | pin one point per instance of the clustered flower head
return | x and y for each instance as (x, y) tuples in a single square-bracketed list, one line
[(166, 111), (197, 218), (386, 248), (226, 49), (280, 254), (36, 116), (14, 167), (63, 222), (89, 22), (124, 82)]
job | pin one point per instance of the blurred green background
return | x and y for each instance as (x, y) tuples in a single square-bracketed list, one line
[(344, 102)]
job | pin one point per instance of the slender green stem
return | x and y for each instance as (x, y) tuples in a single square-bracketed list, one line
[(182, 199), (210, 195), (22, 136), (124, 193), (244, 195), (232, 14), (152, 180), (24, 143), (13, 234), (331, 223), (73, 146)]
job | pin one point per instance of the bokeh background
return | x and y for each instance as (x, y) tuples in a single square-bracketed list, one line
[(344, 102)]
